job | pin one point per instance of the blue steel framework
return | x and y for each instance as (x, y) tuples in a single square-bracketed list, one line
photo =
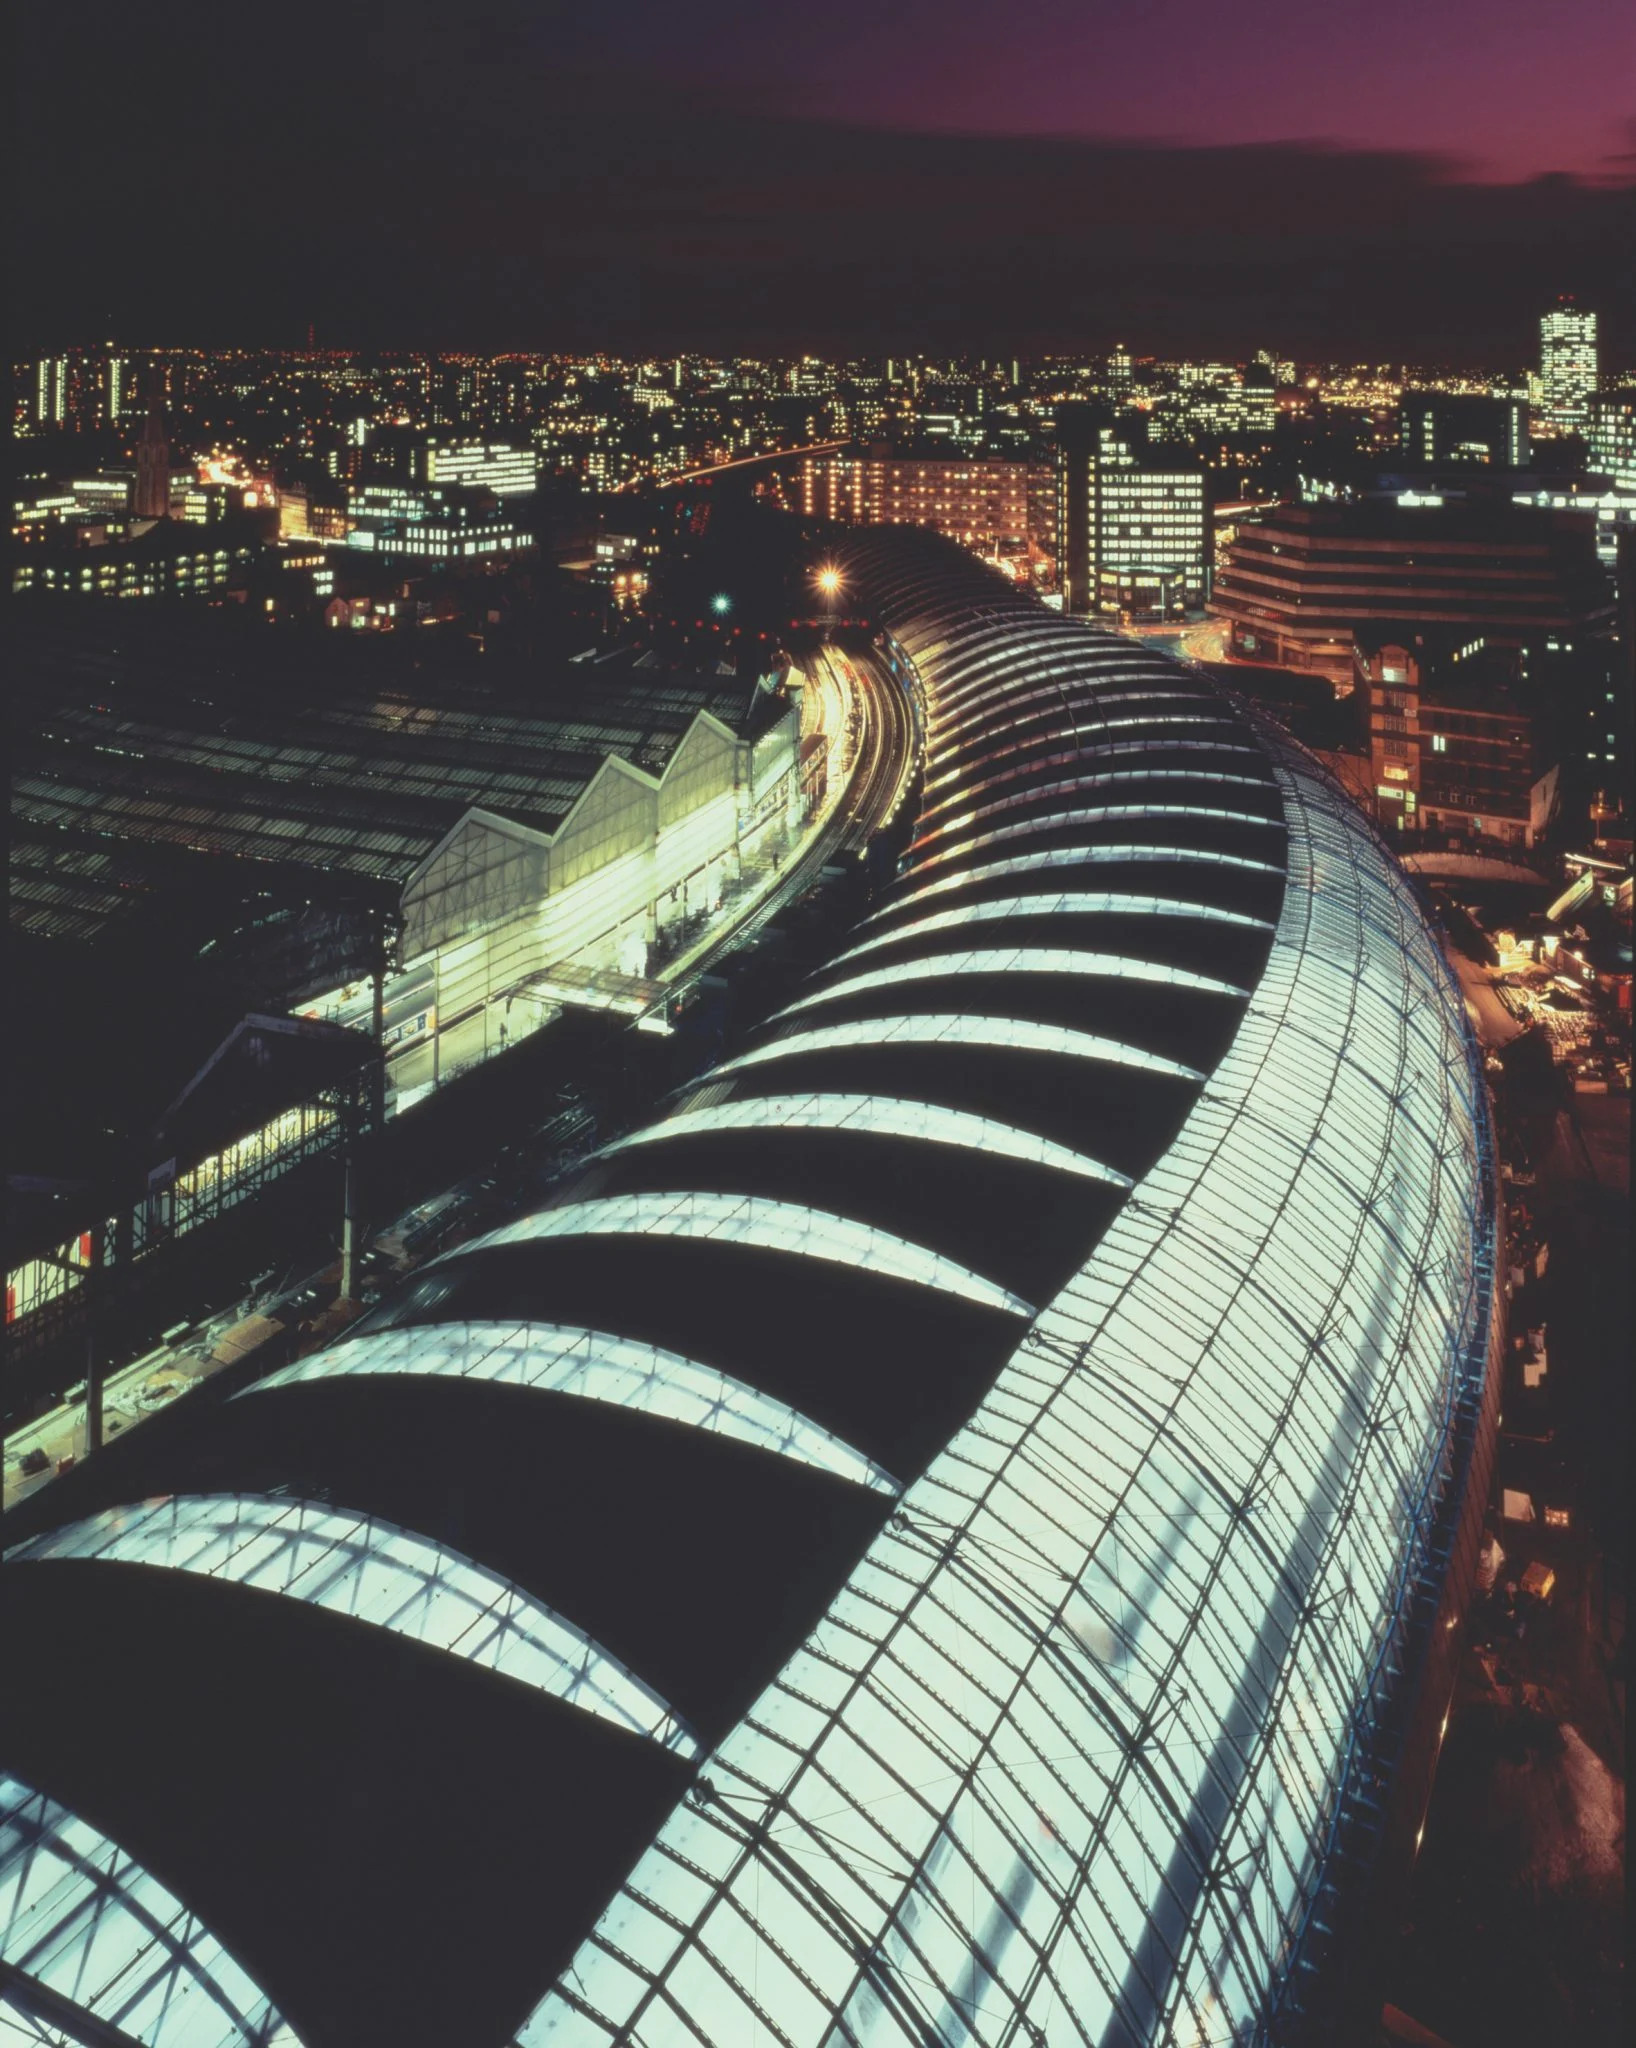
[(1091, 1741)]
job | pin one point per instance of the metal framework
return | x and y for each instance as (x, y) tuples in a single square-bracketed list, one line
[(1068, 1756), (376, 1572), (1086, 1735), (94, 1949), (591, 1365)]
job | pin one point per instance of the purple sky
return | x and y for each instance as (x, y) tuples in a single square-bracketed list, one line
[(1406, 178), (1509, 89)]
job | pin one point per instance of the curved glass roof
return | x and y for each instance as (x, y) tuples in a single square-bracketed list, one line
[(591, 1365), (98, 1943), (1064, 1758), (764, 1225), (926, 1122), (1014, 960), (1085, 903), (372, 1571), (996, 1034), (1056, 1740)]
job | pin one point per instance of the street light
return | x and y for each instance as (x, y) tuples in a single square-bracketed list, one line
[(829, 581), (721, 604)]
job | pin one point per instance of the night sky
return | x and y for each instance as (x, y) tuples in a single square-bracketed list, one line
[(1391, 177)]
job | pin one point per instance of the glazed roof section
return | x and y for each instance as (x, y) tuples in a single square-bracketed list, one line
[(120, 781), (702, 1392), (1067, 1756)]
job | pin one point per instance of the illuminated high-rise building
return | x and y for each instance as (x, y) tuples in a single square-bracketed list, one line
[(50, 407), (1567, 364), (1132, 533)]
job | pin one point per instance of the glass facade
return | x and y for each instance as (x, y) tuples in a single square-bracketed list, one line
[(96, 1940)]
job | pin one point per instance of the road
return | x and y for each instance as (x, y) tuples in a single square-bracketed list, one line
[(877, 756), (1514, 1931)]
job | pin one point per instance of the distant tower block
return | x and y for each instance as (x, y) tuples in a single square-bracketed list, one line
[(152, 500)]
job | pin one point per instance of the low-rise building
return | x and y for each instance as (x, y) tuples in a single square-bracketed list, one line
[(1455, 746)]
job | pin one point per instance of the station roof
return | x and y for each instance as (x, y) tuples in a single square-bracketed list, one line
[(990, 1420), (138, 771)]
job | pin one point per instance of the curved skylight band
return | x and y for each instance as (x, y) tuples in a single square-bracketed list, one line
[(933, 855), (1063, 858), (1071, 693), (1097, 751), (882, 1116), (760, 1222), (1083, 903), (376, 1572), (1015, 960), (1072, 657), (996, 1034), (1084, 726), (592, 1365), (86, 1922)]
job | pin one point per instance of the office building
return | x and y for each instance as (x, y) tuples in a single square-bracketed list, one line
[(435, 524), (1297, 583), (1456, 749), (1611, 438), (957, 1529), (1133, 528), (990, 505), (1567, 365), (167, 560), (507, 471), (1444, 427)]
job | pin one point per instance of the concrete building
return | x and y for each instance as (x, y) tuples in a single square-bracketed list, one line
[(167, 560), (991, 505), (435, 523), (1456, 749), (1297, 583), (1444, 427)]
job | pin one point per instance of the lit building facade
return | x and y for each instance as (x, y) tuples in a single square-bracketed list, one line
[(434, 523), (1457, 753), (1044, 1638), (507, 471), (1134, 535), (1567, 364), (169, 560), (1438, 427), (1611, 437), (989, 505)]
